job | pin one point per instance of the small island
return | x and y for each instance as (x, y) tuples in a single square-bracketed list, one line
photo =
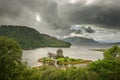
[(59, 60)]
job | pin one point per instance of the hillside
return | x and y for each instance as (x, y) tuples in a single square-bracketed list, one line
[(29, 38), (74, 40)]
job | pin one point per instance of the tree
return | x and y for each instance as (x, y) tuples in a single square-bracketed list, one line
[(59, 53), (108, 68), (10, 59), (53, 74), (76, 74), (112, 53), (31, 74)]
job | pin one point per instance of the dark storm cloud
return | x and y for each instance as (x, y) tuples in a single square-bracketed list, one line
[(99, 12)]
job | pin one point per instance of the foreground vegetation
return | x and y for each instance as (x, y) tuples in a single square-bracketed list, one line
[(29, 38), (12, 68)]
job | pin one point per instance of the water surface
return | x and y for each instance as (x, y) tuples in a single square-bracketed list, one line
[(76, 51)]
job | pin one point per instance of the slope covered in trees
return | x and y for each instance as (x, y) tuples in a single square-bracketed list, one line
[(29, 38)]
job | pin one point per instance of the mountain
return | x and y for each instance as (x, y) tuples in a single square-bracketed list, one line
[(29, 38), (75, 40)]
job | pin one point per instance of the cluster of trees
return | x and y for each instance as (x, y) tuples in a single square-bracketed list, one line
[(29, 38), (58, 54), (109, 67), (12, 68), (51, 73), (10, 59)]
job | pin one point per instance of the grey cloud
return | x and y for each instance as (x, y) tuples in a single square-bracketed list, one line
[(79, 31), (58, 18), (100, 12), (48, 12), (82, 30), (9, 8), (23, 12), (89, 30)]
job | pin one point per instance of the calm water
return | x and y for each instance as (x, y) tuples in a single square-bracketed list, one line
[(78, 51)]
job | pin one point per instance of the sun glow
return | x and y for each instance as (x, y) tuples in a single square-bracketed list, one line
[(38, 18), (89, 2), (73, 1)]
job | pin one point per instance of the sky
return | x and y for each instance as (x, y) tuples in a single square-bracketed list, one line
[(94, 19)]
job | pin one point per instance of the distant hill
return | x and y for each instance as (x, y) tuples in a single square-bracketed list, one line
[(75, 40), (29, 38)]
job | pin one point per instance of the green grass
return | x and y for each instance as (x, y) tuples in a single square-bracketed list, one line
[(73, 61), (63, 61)]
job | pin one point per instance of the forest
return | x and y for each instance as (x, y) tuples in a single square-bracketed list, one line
[(13, 68), (29, 38)]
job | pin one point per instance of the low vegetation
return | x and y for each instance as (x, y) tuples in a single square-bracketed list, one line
[(12, 68)]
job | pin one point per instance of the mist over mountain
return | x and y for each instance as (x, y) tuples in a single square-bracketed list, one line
[(75, 40)]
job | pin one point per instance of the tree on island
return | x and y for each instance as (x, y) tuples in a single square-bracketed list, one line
[(58, 54), (49, 54)]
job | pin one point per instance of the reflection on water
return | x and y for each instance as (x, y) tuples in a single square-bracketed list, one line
[(79, 51)]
